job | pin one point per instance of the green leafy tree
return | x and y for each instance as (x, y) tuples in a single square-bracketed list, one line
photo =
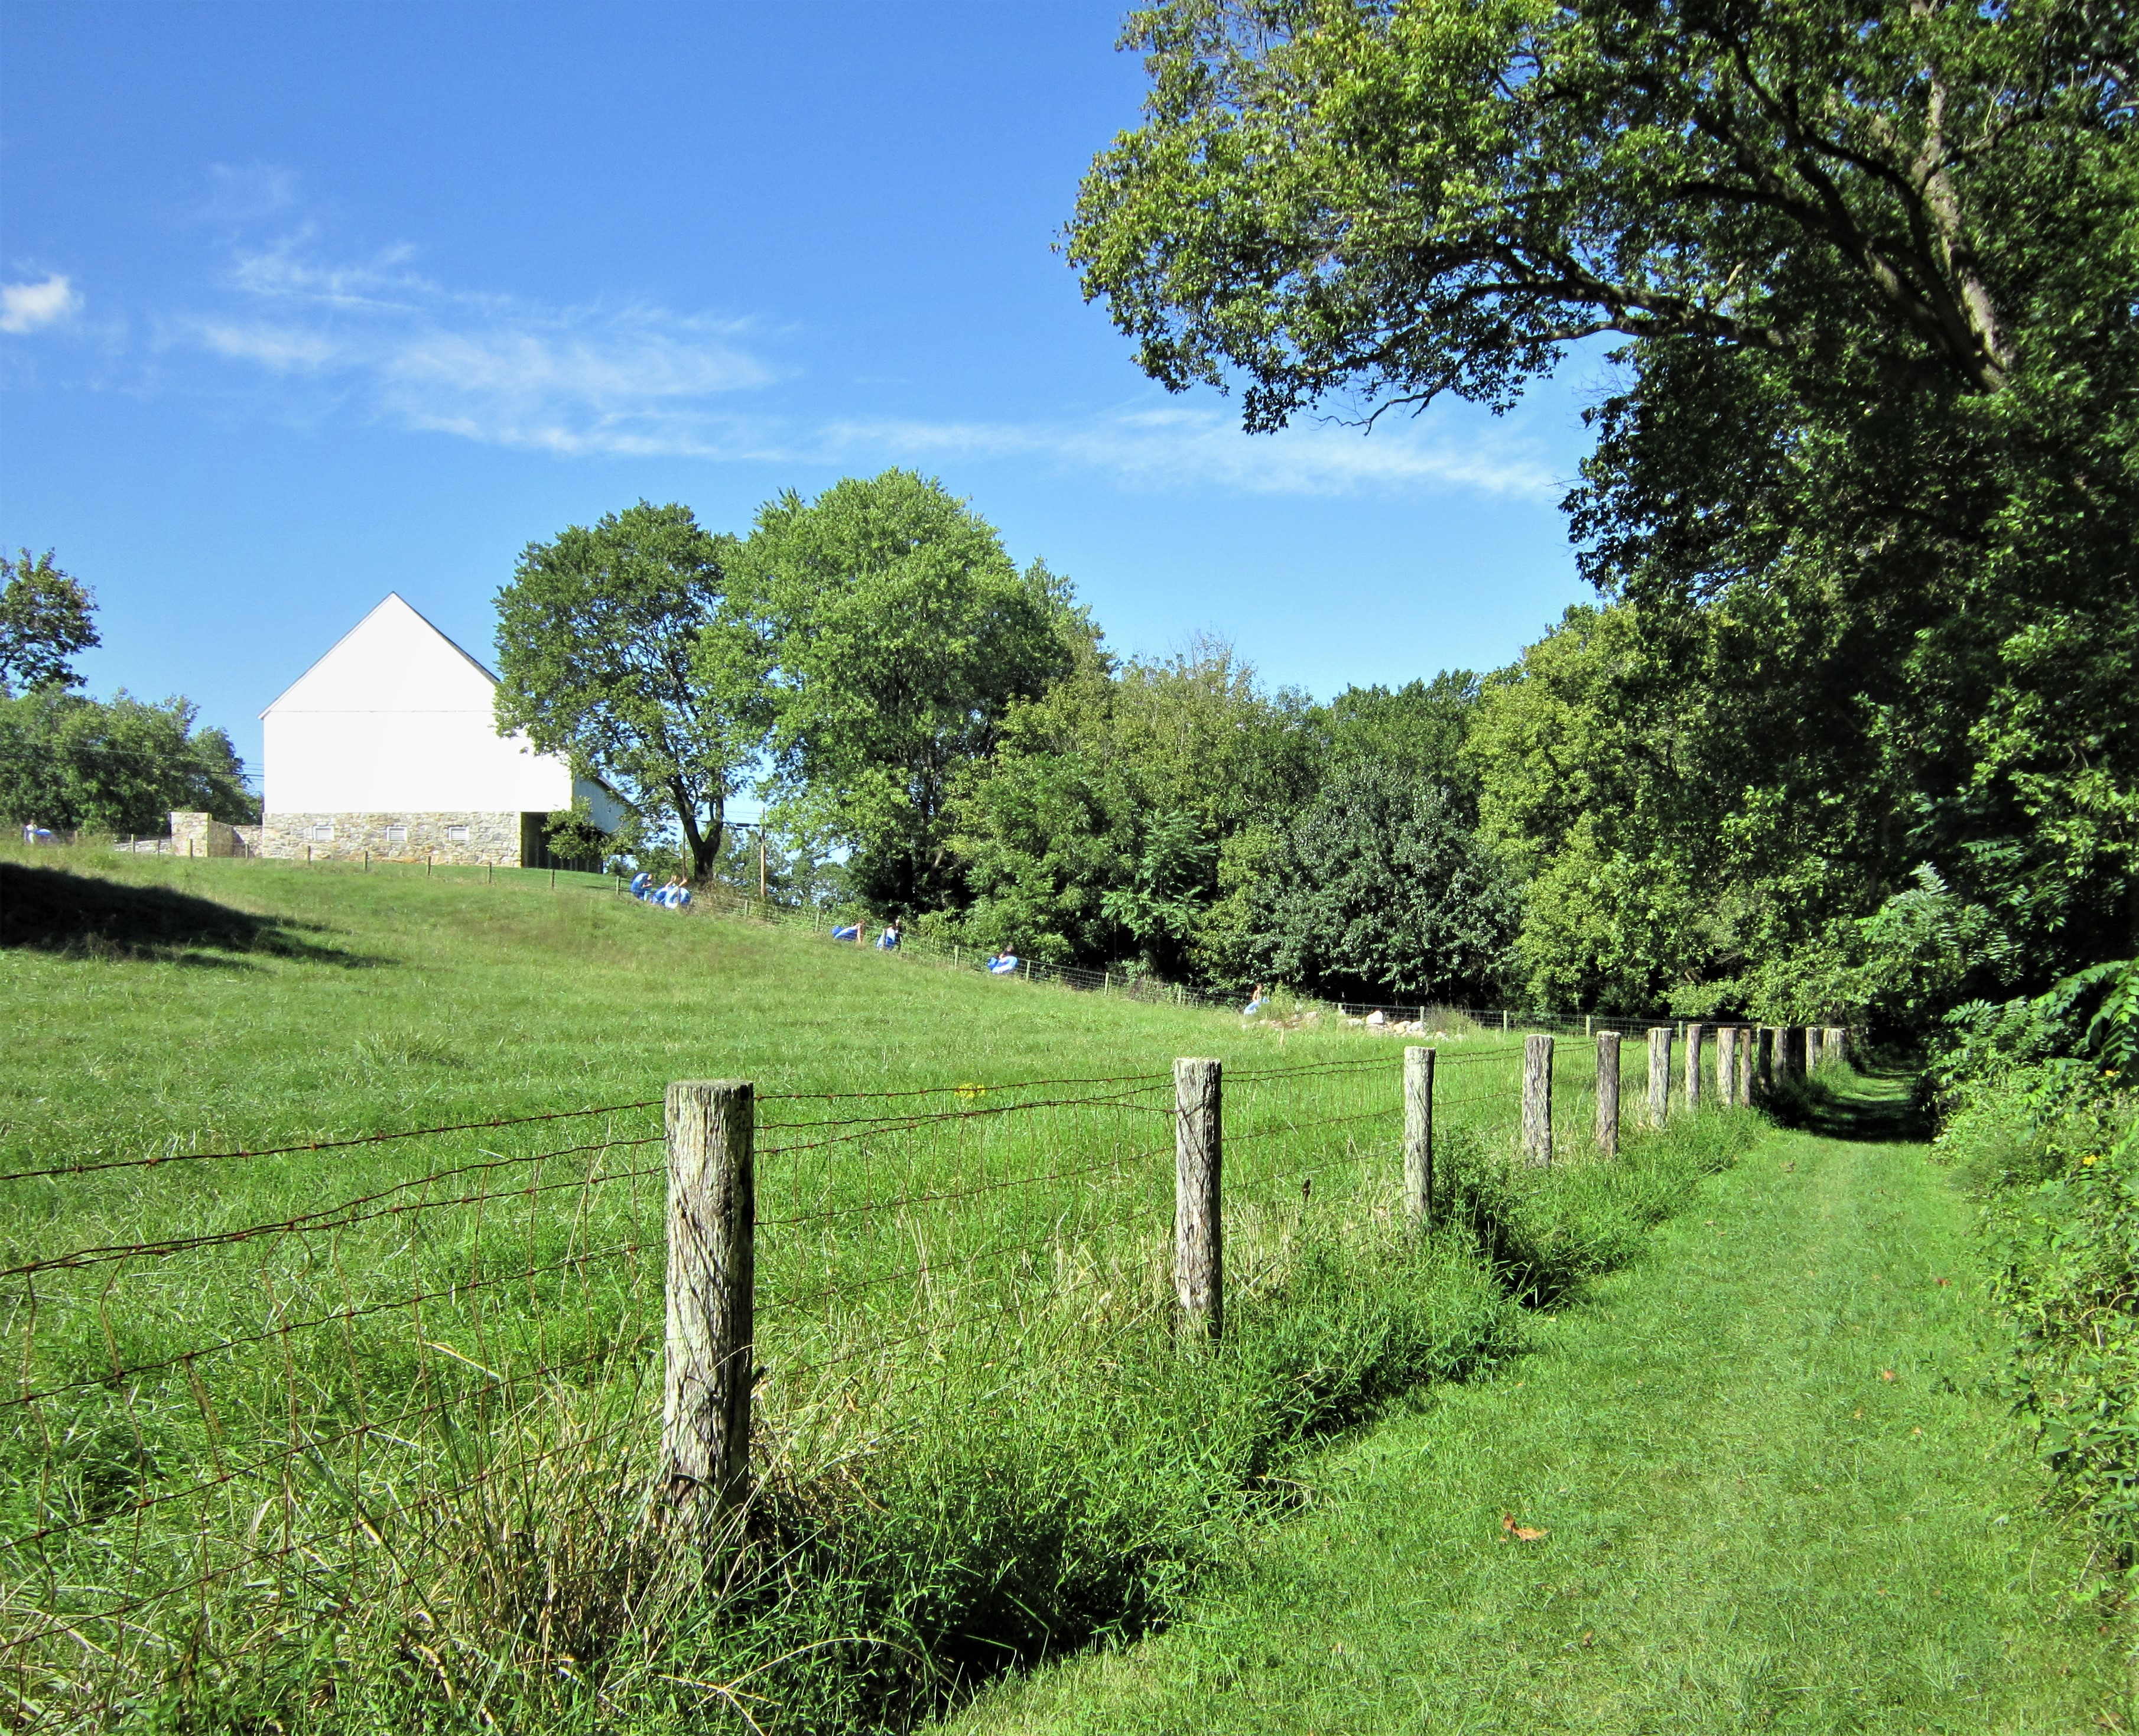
[(1109, 824), (1438, 195), (1420, 726), (1868, 483), (1383, 888), (76, 765), (44, 618), (617, 649), (900, 634)]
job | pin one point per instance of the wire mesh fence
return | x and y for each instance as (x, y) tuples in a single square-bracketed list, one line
[(264, 1401)]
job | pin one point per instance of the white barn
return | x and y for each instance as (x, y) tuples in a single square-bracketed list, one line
[(389, 744)]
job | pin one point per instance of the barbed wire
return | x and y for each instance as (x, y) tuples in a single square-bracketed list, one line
[(315, 1224), (898, 1122), (282, 1328), (1050, 1237), (896, 1202), (323, 1145)]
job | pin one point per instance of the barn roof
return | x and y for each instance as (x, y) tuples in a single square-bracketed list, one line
[(394, 619)]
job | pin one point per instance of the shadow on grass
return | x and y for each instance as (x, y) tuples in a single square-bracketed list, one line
[(51, 910), (1874, 1105)]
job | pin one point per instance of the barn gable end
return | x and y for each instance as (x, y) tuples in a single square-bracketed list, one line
[(388, 745)]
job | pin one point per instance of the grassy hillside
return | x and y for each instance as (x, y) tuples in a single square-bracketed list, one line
[(360, 1437), (359, 1001)]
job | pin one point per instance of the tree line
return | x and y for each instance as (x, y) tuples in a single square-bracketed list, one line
[(1848, 733), (70, 763)]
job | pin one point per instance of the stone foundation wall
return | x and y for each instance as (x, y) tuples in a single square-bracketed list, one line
[(196, 834), (491, 838)]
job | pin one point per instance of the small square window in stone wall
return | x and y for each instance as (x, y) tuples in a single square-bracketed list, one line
[(456, 835), (396, 835), (322, 833)]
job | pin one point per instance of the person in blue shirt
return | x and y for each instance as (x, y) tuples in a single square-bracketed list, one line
[(887, 942), (1003, 963), (848, 931), (642, 884)]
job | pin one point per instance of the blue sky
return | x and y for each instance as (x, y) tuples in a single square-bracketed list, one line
[(301, 303)]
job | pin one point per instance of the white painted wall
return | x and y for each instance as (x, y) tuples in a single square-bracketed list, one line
[(397, 719)]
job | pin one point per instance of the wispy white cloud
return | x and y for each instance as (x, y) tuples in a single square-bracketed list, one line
[(26, 306), (242, 192), (638, 380), (1180, 446), (599, 378)]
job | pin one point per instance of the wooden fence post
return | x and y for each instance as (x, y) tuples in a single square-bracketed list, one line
[(1199, 1254), (1796, 1061), (1693, 1036), (1418, 1137), (1744, 1070), (1763, 1062), (1660, 1049), (1607, 1093), (1537, 1099), (1726, 1065), (1831, 1048), (712, 1218)]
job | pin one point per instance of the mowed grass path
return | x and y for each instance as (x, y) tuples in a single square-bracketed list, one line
[(1777, 1491)]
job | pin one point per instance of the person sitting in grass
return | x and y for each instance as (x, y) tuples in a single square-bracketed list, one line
[(1254, 1002), (887, 942), (848, 931), (642, 884), (1003, 963)]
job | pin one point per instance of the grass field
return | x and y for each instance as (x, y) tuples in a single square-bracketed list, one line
[(360, 1438), (1772, 1487)]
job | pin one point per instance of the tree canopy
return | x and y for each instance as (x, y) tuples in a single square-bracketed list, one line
[(615, 647), (1863, 501), (1406, 198), (45, 617), (74, 763), (900, 633)]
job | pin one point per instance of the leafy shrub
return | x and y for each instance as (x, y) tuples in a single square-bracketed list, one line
[(2052, 1140)]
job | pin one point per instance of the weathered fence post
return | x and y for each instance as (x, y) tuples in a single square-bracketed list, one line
[(1537, 1099), (1764, 1062), (1607, 1093), (712, 1217), (1418, 1137), (1796, 1061), (1199, 1254), (1747, 1058), (1660, 1049), (1726, 1065), (1693, 1035), (1833, 1049)]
